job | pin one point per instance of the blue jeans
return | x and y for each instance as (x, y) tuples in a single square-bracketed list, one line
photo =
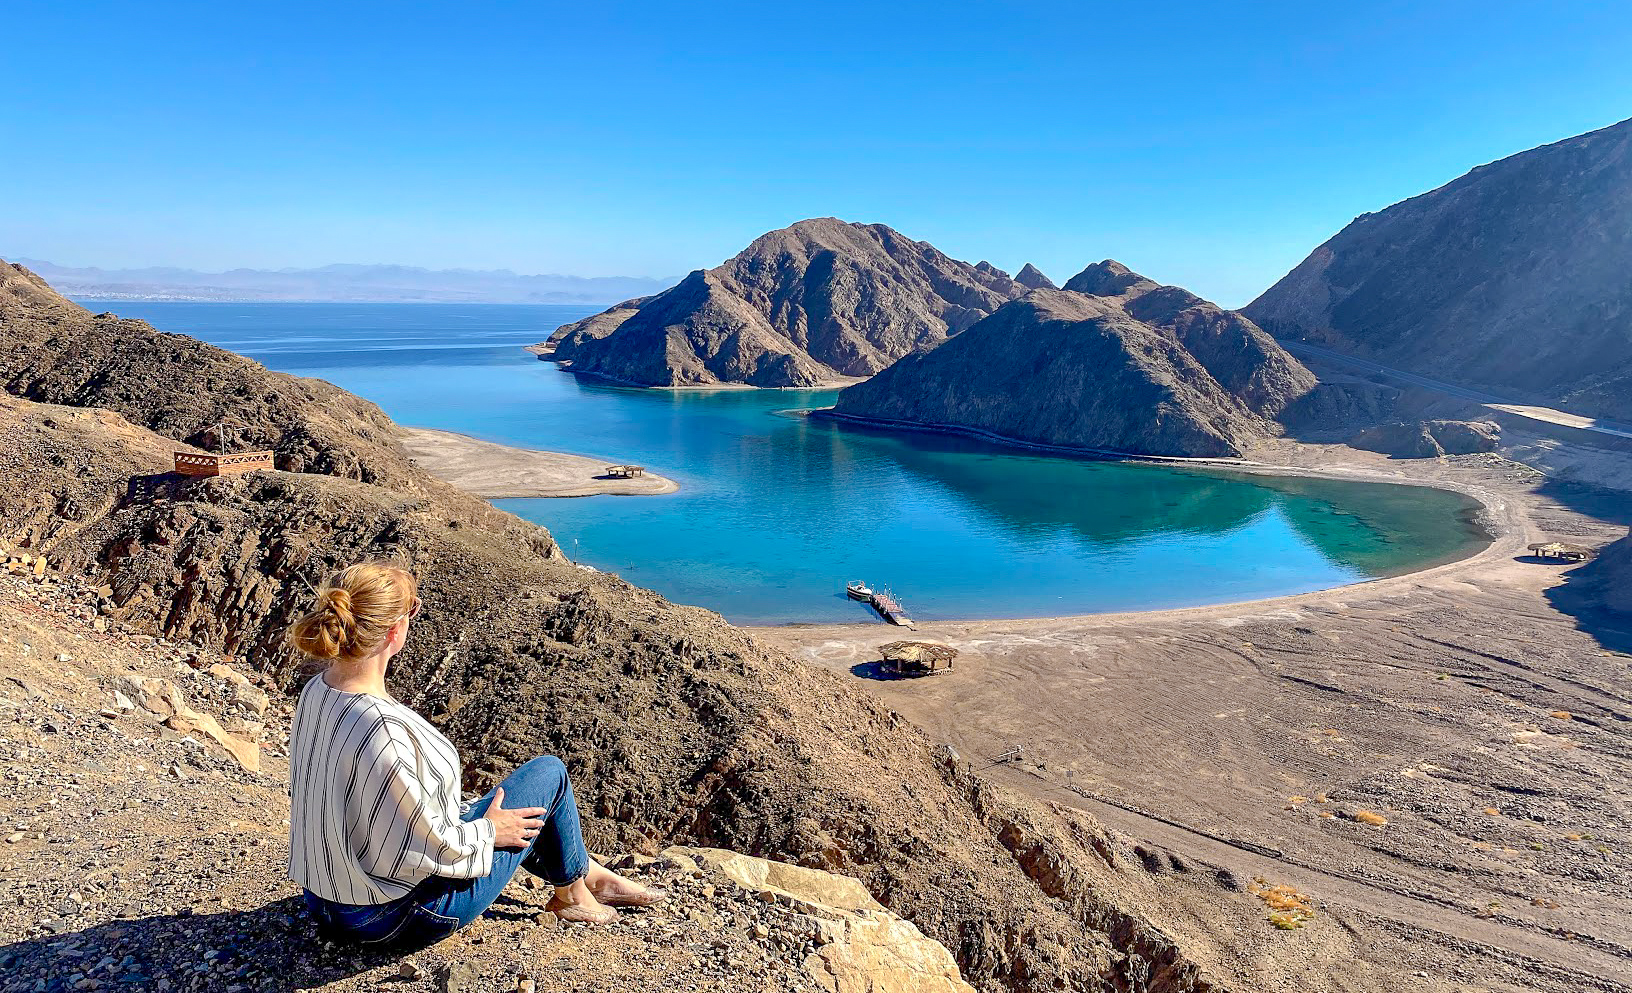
[(439, 906)]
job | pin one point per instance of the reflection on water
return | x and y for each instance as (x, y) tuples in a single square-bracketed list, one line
[(776, 511)]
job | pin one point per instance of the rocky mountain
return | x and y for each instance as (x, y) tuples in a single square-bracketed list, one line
[(1236, 353), (1511, 278), (811, 303), (1113, 363), (678, 727)]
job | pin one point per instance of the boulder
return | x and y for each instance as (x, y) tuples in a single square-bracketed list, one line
[(164, 698), (861, 947)]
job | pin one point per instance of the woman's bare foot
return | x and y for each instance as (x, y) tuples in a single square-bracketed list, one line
[(577, 905), (614, 890)]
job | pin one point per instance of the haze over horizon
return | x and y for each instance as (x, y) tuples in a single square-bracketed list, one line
[(1210, 149)]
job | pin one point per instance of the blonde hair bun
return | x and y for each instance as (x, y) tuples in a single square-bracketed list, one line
[(354, 612)]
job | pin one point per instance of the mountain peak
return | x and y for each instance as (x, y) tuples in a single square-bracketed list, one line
[(1109, 278), (1032, 278)]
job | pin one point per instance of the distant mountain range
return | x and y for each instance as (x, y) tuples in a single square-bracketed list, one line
[(342, 283)]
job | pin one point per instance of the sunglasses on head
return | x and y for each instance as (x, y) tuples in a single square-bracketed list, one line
[(413, 611)]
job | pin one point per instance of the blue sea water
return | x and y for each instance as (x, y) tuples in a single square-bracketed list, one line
[(777, 511)]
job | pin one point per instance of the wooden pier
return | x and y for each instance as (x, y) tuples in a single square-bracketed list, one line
[(890, 609)]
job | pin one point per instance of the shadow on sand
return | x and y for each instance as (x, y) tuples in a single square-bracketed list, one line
[(876, 670), (1596, 595)]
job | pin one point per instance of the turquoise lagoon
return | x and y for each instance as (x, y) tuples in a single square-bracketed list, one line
[(777, 511)]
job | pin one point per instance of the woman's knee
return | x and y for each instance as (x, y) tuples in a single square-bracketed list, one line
[(546, 772)]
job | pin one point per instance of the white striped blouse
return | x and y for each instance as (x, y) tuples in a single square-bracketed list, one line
[(374, 792)]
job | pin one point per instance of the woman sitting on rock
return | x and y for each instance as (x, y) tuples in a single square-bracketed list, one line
[(377, 836)]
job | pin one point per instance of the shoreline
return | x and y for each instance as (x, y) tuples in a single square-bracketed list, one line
[(1501, 520), (565, 365), (503, 472), (1092, 454)]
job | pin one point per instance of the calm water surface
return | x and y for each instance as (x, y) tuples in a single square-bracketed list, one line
[(776, 511)]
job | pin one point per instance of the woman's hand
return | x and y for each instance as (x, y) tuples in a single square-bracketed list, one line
[(513, 828)]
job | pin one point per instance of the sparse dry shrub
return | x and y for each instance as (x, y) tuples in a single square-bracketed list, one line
[(1562, 715), (1492, 811), (1370, 817), (1288, 909)]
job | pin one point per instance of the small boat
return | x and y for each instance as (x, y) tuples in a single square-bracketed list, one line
[(858, 590)]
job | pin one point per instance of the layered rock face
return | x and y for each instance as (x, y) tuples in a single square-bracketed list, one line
[(1114, 363), (807, 304), (677, 727), (1511, 278)]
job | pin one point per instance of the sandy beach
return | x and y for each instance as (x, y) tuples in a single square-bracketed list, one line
[(1471, 706), (497, 471)]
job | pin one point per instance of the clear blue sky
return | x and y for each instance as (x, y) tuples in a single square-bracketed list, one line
[(1210, 145)]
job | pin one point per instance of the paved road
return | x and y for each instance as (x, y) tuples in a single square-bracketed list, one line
[(1544, 414)]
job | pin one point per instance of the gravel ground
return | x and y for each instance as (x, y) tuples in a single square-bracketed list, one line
[(136, 857)]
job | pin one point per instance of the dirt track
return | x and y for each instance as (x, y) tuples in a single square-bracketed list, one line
[(1489, 730)]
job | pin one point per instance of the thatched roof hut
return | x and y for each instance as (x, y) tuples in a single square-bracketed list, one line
[(917, 657), (1561, 550)]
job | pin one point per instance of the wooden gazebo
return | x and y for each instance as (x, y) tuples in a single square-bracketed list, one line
[(625, 471), (917, 658)]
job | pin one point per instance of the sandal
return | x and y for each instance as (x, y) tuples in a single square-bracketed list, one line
[(651, 896), (572, 913)]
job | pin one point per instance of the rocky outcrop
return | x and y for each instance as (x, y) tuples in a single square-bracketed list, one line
[(518, 652), (814, 302), (1430, 439), (1511, 278), (591, 328), (1032, 278), (1115, 363), (861, 947)]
